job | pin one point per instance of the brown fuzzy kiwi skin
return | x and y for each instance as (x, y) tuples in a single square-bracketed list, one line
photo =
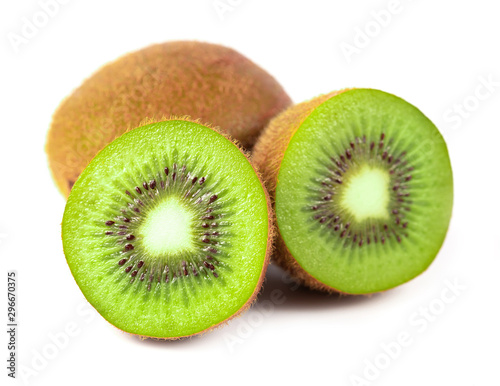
[(207, 81), (270, 236), (267, 155)]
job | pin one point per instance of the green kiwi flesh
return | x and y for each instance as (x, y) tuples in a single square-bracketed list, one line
[(166, 231), (364, 192)]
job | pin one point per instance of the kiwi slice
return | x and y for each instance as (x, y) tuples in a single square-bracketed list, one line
[(166, 232), (205, 81), (363, 190)]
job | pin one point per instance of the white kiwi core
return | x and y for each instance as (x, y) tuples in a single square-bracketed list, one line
[(366, 194), (167, 229)]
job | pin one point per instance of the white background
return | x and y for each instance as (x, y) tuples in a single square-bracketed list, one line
[(435, 54)]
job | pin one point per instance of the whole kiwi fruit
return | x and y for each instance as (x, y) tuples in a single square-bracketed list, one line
[(362, 187), (205, 81), (167, 232)]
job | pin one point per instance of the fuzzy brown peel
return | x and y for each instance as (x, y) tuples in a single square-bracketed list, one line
[(206, 81)]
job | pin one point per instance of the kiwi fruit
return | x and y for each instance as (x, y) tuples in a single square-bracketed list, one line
[(206, 81), (362, 187), (167, 230)]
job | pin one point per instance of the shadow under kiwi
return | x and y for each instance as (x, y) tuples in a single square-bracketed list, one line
[(286, 294), (190, 341)]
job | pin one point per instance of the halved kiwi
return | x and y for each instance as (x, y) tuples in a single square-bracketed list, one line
[(363, 190), (167, 231), (206, 81)]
